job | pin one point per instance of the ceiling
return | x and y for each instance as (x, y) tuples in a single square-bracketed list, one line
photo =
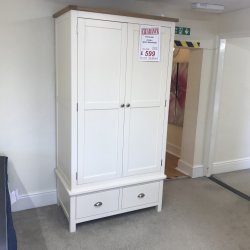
[(230, 5)]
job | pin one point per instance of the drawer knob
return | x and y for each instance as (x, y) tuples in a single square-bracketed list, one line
[(141, 195), (98, 204)]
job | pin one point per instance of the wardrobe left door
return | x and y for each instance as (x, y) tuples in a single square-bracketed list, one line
[(102, 49)]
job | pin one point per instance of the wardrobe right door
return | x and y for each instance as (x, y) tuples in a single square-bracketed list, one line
[(146, 85)]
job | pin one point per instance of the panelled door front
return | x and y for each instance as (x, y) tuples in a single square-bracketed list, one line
[(102, 47), (145, 105)]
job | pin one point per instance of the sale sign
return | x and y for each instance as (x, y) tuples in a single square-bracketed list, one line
[(149, 43)]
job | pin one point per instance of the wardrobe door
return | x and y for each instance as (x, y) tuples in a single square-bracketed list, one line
[(102, 49), (146, 85)]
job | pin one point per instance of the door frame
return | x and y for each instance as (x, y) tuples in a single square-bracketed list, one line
[(213, 108)]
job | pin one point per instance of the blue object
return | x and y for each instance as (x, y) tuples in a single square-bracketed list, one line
[(7, 232)]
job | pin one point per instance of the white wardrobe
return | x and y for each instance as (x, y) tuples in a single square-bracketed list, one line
[(112, 112)]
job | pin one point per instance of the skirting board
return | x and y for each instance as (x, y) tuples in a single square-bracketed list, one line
[(35, 200), (174, 150), (190, 170), (230, 166)]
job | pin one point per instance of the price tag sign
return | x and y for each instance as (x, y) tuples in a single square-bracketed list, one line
[(149, 44)]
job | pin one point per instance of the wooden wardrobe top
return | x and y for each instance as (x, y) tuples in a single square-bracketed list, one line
[(114, 12)]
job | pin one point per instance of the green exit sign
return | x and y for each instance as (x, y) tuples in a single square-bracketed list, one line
[(182, 31)]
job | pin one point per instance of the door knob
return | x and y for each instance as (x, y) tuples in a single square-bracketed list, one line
[(127, 105), (122, 105), (98, 204), (141, 195)]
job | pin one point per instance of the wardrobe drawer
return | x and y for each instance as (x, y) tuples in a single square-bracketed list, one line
[(97, 203), (140, 195)]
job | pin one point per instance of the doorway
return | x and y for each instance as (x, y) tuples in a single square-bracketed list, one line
[(183, 109)]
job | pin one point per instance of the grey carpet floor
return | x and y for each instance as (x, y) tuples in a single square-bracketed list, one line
[(239, 180), (197, 214)]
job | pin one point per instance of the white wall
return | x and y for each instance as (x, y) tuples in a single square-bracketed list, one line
[(186, 163), (235, 23), (192, 160), (27, 99), (232, 147), (192, 151), (206, 81), (27, 86), (192, 102)]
